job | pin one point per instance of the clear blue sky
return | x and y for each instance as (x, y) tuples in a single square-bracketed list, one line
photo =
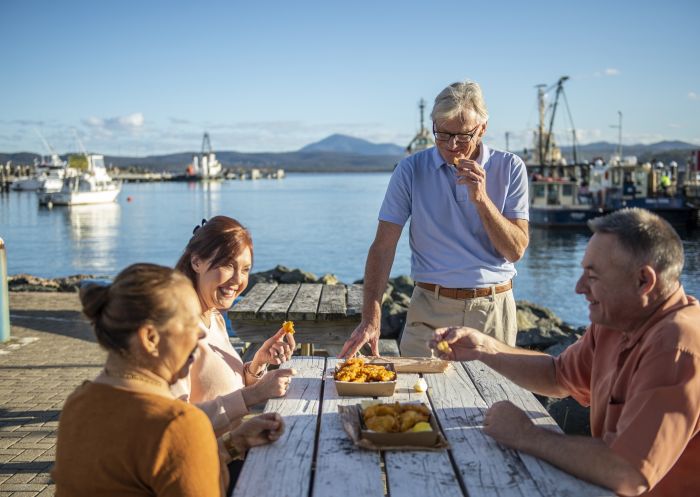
[(149, 77)]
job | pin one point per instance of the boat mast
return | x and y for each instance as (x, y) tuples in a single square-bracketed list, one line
[(540, 132), (619, 136), (421, 105), (560, 88)]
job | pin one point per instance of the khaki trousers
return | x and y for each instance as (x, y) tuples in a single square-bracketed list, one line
[(493, 315)]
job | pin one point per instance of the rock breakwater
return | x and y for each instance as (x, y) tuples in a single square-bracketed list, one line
[(538, 327)]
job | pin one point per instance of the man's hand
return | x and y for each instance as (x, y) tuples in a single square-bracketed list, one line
[(508, 425), (470, 173), (463, 344), (364, 333)]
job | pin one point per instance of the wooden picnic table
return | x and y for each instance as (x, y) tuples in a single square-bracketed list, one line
[(322, 314), (315, 457)]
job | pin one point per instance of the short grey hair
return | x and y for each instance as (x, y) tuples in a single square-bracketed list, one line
[(461, 99), (648, 238)]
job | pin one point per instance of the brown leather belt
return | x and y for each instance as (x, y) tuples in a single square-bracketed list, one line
[(467, 293)]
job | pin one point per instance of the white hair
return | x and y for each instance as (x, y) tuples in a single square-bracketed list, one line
[(461, 99)]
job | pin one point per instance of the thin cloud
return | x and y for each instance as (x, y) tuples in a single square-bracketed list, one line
[(27, 122), (611, 71), (692, 95), (129, 122), (179, 121)]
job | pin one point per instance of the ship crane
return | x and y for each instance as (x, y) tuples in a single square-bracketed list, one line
[(545, 142)]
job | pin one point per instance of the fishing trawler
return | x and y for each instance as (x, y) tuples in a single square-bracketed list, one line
[(424, 138), (563, 195), (205, 166)]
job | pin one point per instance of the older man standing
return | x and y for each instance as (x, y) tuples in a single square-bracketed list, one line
[(637, 366), (469, 224)]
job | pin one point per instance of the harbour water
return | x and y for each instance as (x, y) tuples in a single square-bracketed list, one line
[(323, 223)]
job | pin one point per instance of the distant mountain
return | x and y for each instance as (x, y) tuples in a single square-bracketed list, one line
[(309, 160), (350, 144)]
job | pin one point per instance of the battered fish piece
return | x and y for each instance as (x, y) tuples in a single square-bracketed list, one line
[(419, 408), (408, 419), (396, 417), (288, 327), (382, 424)]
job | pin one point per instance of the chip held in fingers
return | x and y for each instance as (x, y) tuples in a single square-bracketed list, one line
[(288, 327), (444, 347)]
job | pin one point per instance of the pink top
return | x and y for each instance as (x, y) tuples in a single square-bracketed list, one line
[(216, 378)]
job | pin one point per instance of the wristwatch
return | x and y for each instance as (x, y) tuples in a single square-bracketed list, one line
[(260, 374), (233, 451)]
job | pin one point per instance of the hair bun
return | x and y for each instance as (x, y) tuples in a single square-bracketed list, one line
[(94, 298)]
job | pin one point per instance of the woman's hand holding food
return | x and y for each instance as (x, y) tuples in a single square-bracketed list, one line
[(275, 350), (273, 384), (459, 344)]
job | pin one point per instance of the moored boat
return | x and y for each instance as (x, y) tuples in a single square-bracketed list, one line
[(93, 186), (205, 166)]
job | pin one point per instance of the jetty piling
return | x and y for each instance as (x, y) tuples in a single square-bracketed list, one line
[(4, 296)]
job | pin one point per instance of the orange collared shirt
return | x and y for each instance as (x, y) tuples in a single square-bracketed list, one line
[(644, 391)]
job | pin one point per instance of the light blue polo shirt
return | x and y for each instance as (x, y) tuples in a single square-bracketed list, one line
[(449, 245)]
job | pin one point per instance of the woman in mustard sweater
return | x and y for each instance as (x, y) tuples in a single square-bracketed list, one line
[(124, 433)]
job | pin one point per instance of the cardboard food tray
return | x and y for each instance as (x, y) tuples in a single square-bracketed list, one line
[(372, 389), (353, 424), (410, 438), (413, 364)]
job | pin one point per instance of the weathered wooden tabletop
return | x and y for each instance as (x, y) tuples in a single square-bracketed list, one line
[(315, 457), (322, 314)]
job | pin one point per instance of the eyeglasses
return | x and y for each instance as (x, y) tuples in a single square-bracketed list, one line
[(460, 138)]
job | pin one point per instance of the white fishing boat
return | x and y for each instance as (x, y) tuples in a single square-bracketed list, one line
[(48, 176), (93, 186), (424, 137)]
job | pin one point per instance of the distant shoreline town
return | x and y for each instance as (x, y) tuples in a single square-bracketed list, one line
[(341, 153)]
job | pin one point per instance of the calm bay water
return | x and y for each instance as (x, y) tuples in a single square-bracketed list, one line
[(323, 223)]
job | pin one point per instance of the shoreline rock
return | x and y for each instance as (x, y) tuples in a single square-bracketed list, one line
[(538, 327)]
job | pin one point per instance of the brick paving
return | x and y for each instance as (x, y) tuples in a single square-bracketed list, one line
[(52, 351)]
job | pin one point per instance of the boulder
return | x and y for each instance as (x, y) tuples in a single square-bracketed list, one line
[(329, 279), (298, 276), (29, 283), (402, 285), (572, 417), (393, 319)]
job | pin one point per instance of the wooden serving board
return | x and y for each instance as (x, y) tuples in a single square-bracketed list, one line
[(413, 364)]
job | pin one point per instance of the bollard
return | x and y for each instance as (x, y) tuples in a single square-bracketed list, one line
[(4, 296)]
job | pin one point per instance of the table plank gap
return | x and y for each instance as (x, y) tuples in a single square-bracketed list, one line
[(277, 306), (332, 304), (305, 304), (418, 473), (285, 466), (338, 462), (354, 300), (551, 481), (256, 297), (485, 468)]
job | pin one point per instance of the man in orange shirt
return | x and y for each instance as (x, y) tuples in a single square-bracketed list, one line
[(637, 366)]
